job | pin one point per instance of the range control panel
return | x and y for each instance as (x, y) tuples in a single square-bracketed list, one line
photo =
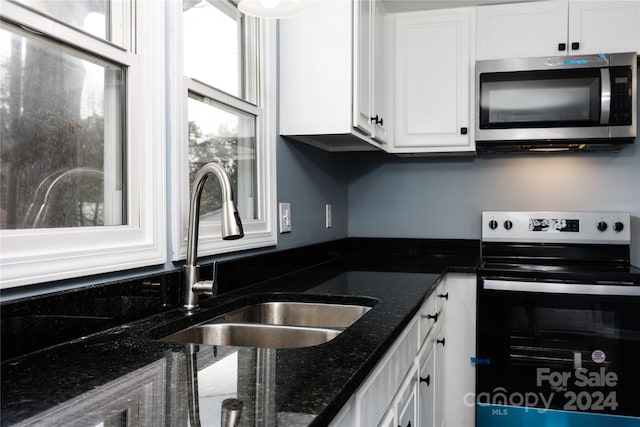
[(550, 226)]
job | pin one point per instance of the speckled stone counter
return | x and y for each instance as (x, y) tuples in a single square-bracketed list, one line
[(126, 375), (98, 377)]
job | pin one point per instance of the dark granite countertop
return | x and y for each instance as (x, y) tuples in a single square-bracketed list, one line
[(84, 378), (94, 353), (106, 358)]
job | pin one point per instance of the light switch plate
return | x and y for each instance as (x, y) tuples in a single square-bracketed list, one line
[(285, 217)]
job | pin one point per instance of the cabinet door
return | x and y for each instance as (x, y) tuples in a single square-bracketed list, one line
[(379, 84), (440, 357), (522, 30), (426, 387), (432, 74), (376, 394), (363, 12), (316, 70), (453, 359), (428, 317), (407, 404), (604, 26)]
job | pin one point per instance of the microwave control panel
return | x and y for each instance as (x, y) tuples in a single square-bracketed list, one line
[(621, 96)]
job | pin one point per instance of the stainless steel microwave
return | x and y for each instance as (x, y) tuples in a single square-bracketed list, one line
[(556, 103)]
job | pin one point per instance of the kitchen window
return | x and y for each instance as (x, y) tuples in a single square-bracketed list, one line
[(225, 102), (82, 140)]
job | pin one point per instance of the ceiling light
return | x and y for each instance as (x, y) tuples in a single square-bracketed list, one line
[(270, 8)]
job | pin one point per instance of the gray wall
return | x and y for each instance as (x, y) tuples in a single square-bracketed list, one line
[(308, 178), (443, 198)]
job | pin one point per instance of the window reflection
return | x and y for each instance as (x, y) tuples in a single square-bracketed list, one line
[(220, 134), (214, 46), (61, 143), (89, 16)]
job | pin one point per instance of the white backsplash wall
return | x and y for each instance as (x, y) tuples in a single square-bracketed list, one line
[(444, 197)]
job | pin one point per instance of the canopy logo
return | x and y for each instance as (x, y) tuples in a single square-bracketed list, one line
[(596, 396)]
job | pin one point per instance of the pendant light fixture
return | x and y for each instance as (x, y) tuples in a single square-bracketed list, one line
[(270, 8)]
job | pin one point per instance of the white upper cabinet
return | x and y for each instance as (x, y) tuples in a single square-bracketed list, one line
[(552, 28), (363, 31), (370, 77), (604, 26), (431, 81), (326, 57), (379, 86)]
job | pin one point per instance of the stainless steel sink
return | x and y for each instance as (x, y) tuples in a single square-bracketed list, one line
[(299, 314), (274, 324), (253, 335)]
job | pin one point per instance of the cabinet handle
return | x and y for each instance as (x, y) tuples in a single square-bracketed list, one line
[(463, 131), (376, 120), (433, 316), (562, 47), (575, 45), (440, 342), (426, 380), (445, 296), (408, 424)]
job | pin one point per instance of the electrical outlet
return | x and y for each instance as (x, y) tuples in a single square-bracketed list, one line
[(327, 215), (285, 217)]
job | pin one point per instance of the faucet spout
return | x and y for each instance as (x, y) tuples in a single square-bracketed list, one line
[(231, 229)]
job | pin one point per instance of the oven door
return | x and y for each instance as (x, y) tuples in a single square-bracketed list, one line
[(557, 353)]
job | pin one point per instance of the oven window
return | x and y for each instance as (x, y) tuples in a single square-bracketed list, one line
[(558, 98), (560, 346)]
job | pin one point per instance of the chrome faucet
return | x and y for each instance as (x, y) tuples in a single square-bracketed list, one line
[(231, 229)]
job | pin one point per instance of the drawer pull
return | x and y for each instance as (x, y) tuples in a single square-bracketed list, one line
[(426, 380), (440, 342), (432, 316), (408, 424), (377, 120), (445, 296)]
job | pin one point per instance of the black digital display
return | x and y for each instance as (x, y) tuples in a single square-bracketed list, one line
[(554, 225)]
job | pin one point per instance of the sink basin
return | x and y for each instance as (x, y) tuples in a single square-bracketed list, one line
[(298, 314), (253, 335), (273, 324)]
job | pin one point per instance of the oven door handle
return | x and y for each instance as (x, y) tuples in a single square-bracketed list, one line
[(560, 288)]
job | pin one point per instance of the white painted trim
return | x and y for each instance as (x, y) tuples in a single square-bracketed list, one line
[(31, 256), (258, 233)]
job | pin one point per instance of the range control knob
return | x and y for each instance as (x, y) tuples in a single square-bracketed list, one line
[(493, 224), (508, 225), (618, 226), (602, 226)]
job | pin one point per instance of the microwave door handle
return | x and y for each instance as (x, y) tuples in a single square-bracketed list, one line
[(605, 96)]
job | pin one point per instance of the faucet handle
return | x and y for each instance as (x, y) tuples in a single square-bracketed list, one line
[(203, 287)]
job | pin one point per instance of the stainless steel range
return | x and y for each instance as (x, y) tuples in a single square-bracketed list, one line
[(558, 320)]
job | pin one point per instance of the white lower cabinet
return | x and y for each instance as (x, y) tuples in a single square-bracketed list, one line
[(426, 377), (407, 401), (374, 396), (426, 386)]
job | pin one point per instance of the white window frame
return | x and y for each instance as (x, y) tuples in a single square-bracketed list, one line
[(29, 256), (262, 231)]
